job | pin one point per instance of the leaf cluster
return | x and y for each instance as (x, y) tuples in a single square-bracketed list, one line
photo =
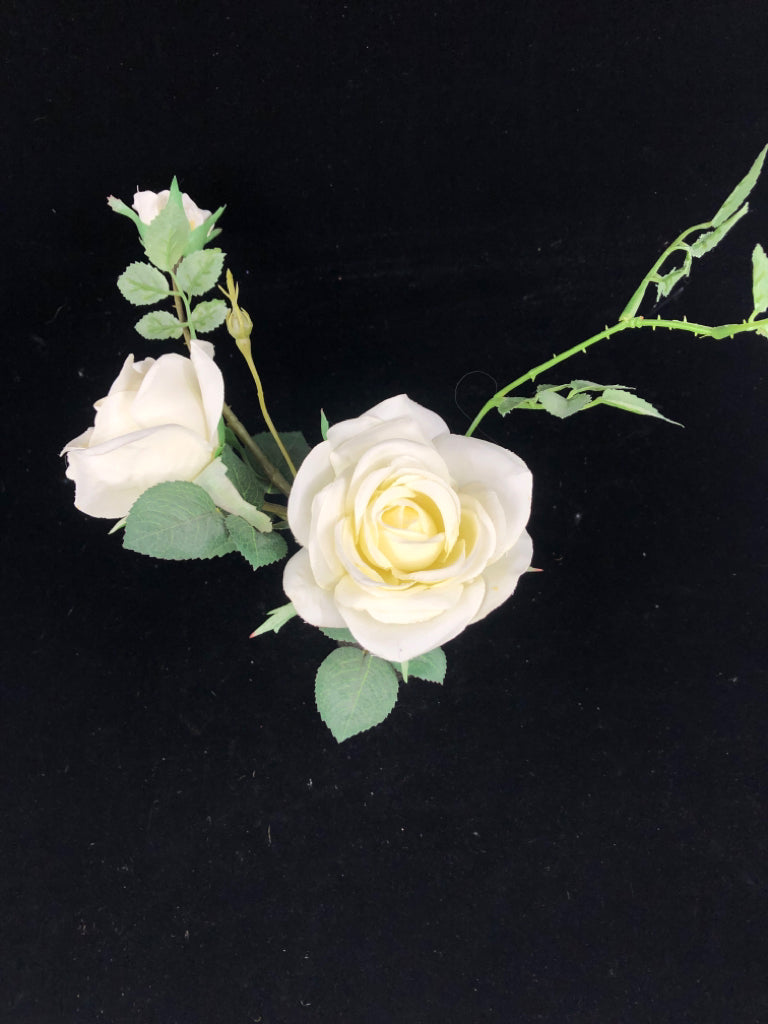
[(355, 690), (175, 249), (564, 400)]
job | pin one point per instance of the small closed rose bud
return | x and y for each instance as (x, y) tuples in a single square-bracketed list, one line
[(239, 323)]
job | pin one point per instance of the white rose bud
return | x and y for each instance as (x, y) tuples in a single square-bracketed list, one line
[(159, 422), (409, 533), (149, 204)]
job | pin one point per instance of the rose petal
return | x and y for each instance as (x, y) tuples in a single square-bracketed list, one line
[(502, 577), (311, 602)]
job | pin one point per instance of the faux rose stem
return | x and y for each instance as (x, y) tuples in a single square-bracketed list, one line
[(273, 474)]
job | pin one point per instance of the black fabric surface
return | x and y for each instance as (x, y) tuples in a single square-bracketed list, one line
[(574, 828)]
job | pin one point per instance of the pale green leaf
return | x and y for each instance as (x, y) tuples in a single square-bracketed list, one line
[(506, 405), (166, 236), (742, 190), (354, 691), (218, 484), (176, 520), (204, 233), (430, 666), (559, 406), (159, 325), (323, 425), (667, 282), (142, 284), (275, 620), (621, 399), (199, 272), (338, 633), (207, 316), (707, 242), (259, 549), (759, 280)]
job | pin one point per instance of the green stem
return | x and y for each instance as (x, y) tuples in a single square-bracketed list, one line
[(724, 331), (272, 472)]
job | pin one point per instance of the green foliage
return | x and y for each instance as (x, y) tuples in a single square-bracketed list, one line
[(204, 233), (275, 620), (259, 549), (177, 520), (324, 425), (354, 691), (295, 444), (200, 271), (338, 633), (143, 285), (622, 398), (581, 394), (742, 190), (207, 316), (159, 325), (165, 237), (431, 666), (759, 280), (248, 484)]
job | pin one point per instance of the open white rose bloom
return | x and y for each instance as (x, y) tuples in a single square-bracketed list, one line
[(409, 533), (159, 422)]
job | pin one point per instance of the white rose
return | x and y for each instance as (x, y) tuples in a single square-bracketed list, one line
[(409, 533), (149, 204), (159, 422)]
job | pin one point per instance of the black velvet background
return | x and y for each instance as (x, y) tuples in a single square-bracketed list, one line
[(573, 829)]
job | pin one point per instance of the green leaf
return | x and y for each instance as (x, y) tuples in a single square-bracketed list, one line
[(742, 190), (338, 633), (120, 207), (296, 446), (199, 272), (275, 620), (667, 282), (142, 284), (759, 280), (207, 316), (159, 325), (506, 405), (354, 691), (707, 242), (431, 666), (323, 425), (176, 520), (258, 548), (219, 486), (248, 484), (166, 236), (559, 406), (204, 233), (629, 402)]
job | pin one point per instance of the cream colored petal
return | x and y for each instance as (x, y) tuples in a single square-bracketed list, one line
[(314, 474), (501, 577), (148, 204), (472, 460), (170, 393), (327, 512), (114, 417), (211, 385), (312, 603), (404, 641), (109, 477)]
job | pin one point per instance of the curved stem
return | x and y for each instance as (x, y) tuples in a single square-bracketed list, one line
[(244, 344), (724, 331)]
